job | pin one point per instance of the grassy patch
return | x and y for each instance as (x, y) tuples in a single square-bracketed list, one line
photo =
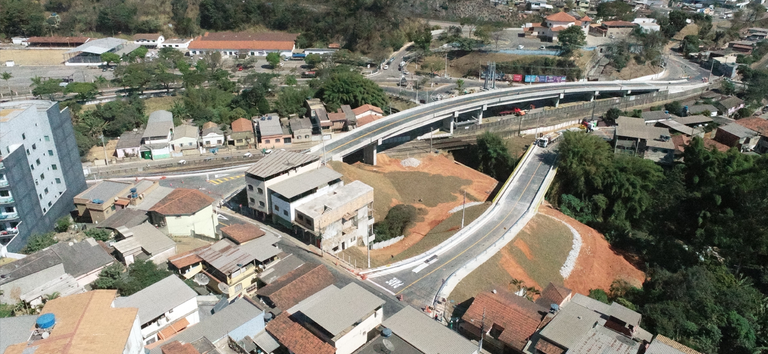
[(490, 275), (383, 190), (518, 144), (425, 188), (441, 232), (158, 103), (548, 242)]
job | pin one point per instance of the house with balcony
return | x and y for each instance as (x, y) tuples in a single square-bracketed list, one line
[(40, 169), (165, 308), (242, 134), (229, 269), (156, 140), (339, 219), (185, 212), (288, 195), (272, 169)]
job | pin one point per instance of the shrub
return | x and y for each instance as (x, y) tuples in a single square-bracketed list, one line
[(394, 224), (39, 242), (62, 224), (98, 234)]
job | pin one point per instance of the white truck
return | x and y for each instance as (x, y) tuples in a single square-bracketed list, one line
[(547, 139)]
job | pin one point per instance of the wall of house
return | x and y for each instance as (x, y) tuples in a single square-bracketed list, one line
[(254, 197), (250, 328), (212, 140), (184, 143), (243, 138), (10, 292), (90, 277), (358, 336), (273, 141), (333, 235), (127, 152), (618, 32), (201, 223), (135, 343), (187, 310), (191, 271), (302, 135), (280, 205), (162, 257)]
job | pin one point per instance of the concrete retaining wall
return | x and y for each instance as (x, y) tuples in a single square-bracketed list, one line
[(387, 243)]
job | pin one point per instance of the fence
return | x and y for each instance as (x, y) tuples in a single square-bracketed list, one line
[(387, 243), (550, 117)]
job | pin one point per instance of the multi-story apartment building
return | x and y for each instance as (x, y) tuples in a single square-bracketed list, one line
[(40, 170), (272, 169)]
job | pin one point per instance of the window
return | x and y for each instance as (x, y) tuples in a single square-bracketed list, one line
[(252, 200), (5, 194), (285, 212), (58, 180), (261, 191), (50, 203), (50, 152), (277, 208), (40, 196), (266, 141), (250, 187), (34, 146), (45, 210), (277, 140), (37, 162), (32, 167), (306, 136), (47, 138), (299, 217), (54, 167), (45, 190), (42, 176), (9, 209), (27, 152), (261, 204), (24, 136), (238, 288)]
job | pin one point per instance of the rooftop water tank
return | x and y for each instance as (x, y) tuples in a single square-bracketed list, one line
[(46, 321), (386, 332)]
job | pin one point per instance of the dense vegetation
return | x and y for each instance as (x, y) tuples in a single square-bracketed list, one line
[(399, 218), (137, 276), (697, 226)]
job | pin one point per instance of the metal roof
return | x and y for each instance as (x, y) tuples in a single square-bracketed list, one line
[(300, 124), (738, 130), (127, 245), (590, 303), (99, 46), (31, 264), (15, 330), (697, 119), (270, 125), (570, 325), (124, 217), (262, 248), (336, 309), (698, 108), (663, 345), (225, 256), (636, 128), (422, 332), (305, 182), (603, 340), (152, 198), (104, 191), (628, 316), (279, 162), (158, 298), (186, 131), (655, 115), (130, 139), (266, 342), (152, 240), (158, 124), (218, 326)]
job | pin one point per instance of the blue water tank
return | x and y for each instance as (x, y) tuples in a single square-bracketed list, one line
[(386, 332), (46, 320)]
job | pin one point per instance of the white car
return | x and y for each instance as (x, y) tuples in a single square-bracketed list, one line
[(182, 162), (386, 67), (520, 46), (247, 154)]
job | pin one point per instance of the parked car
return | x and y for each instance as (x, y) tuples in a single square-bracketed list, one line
[(182, 162), (247, 154)]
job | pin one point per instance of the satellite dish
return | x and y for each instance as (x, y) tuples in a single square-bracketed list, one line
[(224, 287), (388, 346), (201, 279)]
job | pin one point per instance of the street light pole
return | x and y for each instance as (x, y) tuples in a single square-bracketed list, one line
[(463, 208), (106, 160)]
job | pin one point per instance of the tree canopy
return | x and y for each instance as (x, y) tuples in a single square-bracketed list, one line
[(352, 88)]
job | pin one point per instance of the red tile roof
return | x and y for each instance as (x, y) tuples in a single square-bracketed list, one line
[(759, 125), (545, 347), (182, 201), (618, 24), (336, 117), (186, 259), (367, 119), (712, 144), (242, 125), (558, 28), (296, 338), (561, 17), (297, 285), (367, 107), (176, 347), (518, 317), (553, 294), (242, 233), (585, 18), (244, 41)]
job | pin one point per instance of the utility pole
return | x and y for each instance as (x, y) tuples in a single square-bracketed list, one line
[(482, 333), (368, 247), (463, 208), (446, 64), (431, 132), (709, 81), (106, 160)]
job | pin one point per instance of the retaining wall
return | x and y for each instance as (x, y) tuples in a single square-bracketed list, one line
[(387, 243)]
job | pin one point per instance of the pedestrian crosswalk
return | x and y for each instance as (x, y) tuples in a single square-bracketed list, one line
[(394, 283), (224, 179)]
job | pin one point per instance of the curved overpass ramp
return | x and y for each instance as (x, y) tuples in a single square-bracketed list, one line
[(372, 134)]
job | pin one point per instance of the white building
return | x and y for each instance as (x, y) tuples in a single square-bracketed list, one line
[(176, 43), (287, 195), (156, 140), (647, 24), (244, 43), (185, 212), (165, 308), (151, 40), (272, 169), (212, 136), (560, 21), (344, 316), (185, 137)]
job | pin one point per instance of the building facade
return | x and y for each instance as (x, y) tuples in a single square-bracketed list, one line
[(274, 168), (40, 169)]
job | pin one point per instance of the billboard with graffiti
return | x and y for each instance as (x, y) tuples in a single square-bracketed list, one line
[(545, 78)]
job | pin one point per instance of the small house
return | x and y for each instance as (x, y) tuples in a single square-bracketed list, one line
[(156, 140), (729, 106), (301, 129), (176, 43), (185, 212), (272, 134), (129, 144), (212, 136), (242, 133), (186, 137), (149, 40)]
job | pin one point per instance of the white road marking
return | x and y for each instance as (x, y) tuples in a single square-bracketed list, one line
[(394, 283)]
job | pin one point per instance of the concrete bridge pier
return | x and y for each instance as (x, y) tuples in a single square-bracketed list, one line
[(627, 92), (448, 124), (369, 153), (595, 94), (557, 100), (480, 115)]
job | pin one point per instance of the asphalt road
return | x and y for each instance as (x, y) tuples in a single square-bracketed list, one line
[(420, 284)]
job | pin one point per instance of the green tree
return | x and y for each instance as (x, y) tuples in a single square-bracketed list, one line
[(599, 295), (290, 100), (273, 58), (139, 275), (135, 76), (459, 85), (290, 80), (398, 219), (422, 38), (47, 88), (690, 44), (573, 37), (727, 87), (7, 76), (179, 10), (493, 156), (85, 90), (611, 115), (39, 242), (352, 88), (116, 16), (139, 53), (674, 107), (677, 19), (62, 224), (615, 10), (313, 59), (109, 276), (98, 234), (110, 58), (21, 18)]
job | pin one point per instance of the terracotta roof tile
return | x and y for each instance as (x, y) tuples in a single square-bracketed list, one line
[(338, 116), (545, 347), (367, 107), (247, 36), (518, 317), (242, 233), (174, 328), (553, 294), (712, 144), (759, 125), (297, 285), (367, 119), (176, 347), (242, 125), (585, 18), (619, 24), (558, 28), (182, 201), (561, 17), (675, 345), (186, 259), (295, 337)]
